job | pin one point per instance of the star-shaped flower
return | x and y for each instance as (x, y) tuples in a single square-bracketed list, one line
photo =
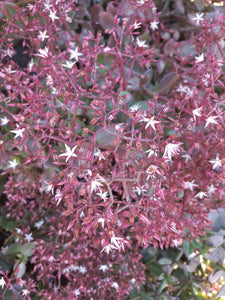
[(198, 18), (217, 163), (141, 43), (4, 121), (18, 132), (189, 185), (199, 58), (25, 292), (103, 195), (103, 268), (197, 112), (29, 237), (136, 25), (43, 52), (211, 189), (39, 224), (154, 25), (151, 122), (69, 64), (95, 185), (69, 153), (115, 285), (13, 164), (74, 53), (76, 292), (201, 195), (42, 35), (172, 150), (2, 282), (53, 16), (211, 120)]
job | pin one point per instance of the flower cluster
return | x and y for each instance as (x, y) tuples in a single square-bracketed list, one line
[(100, 156)]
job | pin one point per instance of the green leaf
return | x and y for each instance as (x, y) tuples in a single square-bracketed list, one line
[(7, 224), (27, 249), (162, 286), (4, 266), (13, 249), (154, 268), (164, 261), (186, 247)]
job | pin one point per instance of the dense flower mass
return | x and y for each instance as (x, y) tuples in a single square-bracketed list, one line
[(101, 156)]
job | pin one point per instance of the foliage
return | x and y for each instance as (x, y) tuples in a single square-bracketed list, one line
[(112, 144)]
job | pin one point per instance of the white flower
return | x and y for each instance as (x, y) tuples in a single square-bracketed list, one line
[(201, 195), (187, 157), (10, 52), (49, 80), (4, 121), (177, 242), (134, 108), (182, 89), (18, 132), (42, 35), (30, 65), (19, 231), (2, 282), (107, 49), (154, 25), (43, 52), (117, 242), (95, 184), (108, 248), (205, 80), (103, 195), (51, 258), (211, 189), (151, 151), (217, 163), (82, 214), (151, 171), (39, 224), (49, 187), (141, 2), (75, 54), (68, 64), (76, 292), (29, 237), (103, 268), (115, 285), (211, 120), (82, 269), (199, 58), (101, 221), (189, 185), (136, 25), (69, 153), (172, 150), (141, 43), (58, 196), (198, 18), (47, 5), (53, 16), (150, 122), (99, 154), (13, 164), (25, 292), (197, 112)]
